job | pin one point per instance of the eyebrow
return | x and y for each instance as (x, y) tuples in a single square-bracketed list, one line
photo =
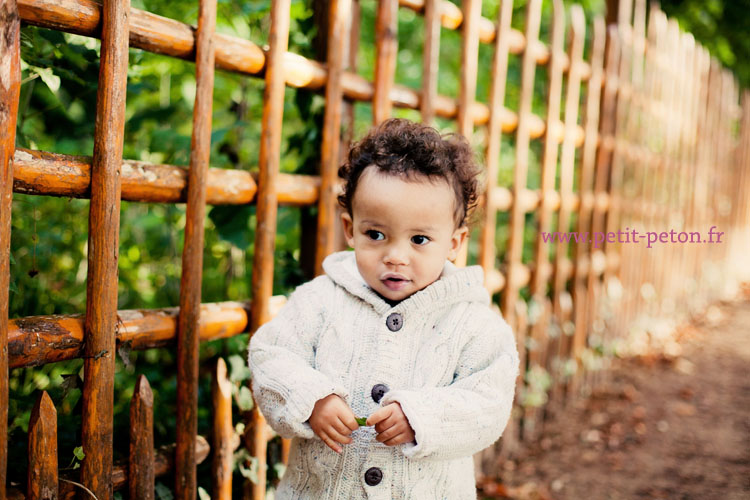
[(425, 229)]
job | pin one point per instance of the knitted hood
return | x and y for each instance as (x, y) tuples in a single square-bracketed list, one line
[(454, 285)]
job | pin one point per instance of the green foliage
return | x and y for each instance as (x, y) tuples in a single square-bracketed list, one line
[(722, 26)]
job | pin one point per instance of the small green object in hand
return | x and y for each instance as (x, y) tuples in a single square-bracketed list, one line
[(361, 420)]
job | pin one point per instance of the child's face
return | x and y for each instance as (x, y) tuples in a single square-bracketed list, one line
[(402, 231)]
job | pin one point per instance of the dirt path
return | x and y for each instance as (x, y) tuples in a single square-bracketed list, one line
[(666, 429)]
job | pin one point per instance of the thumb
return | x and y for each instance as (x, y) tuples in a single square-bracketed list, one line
[(379, 415)]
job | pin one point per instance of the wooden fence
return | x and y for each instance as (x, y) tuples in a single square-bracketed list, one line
[(661, 143)]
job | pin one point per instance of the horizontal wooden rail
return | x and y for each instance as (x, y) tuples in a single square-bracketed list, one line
[(50, 174), (38, 340), (43, 173), (163, 464), (165, 36)]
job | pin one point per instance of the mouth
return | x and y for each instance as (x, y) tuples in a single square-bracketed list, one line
[(395, 283)]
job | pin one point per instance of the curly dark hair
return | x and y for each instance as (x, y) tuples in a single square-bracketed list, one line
[(409, 149)]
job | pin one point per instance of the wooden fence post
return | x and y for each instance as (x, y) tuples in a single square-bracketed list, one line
[(42, 475), (339, 11), (192, 258), (386, 48), (562, 298), (141, 477), (539, 307), (10, 87), (103, 249), (517, 212), (223, 432), (265, 235)]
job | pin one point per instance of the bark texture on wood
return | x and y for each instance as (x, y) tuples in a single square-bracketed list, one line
[(186, 483), (10, 87), (141, 477), (42, 474), (103, 248)]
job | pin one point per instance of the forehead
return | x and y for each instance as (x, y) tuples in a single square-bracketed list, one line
[(422, 199)]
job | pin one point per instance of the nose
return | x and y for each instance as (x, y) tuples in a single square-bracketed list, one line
[(397, 254)]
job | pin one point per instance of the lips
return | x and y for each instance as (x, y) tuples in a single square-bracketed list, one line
[(395, 282)]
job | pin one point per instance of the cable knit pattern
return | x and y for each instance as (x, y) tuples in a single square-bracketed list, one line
[(452, 367)]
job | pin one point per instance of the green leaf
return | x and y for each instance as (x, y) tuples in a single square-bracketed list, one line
[(238, 370), (78, 452), (245, 399), (162, 492), (361, 420)]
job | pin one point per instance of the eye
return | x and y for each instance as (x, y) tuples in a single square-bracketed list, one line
[(375, 235), (420, 239)]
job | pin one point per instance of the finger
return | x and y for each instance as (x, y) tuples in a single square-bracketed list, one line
[(341, 427), (389, 432), (387, 423), (337, 436), (349, 421), (330, 443), (398, 439), (380, 414)]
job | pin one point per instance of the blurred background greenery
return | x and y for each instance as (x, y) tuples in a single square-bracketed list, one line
[(49, 235)]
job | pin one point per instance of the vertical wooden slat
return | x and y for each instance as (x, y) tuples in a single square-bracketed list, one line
[(583, 255), (472, 10), (103, 249), (141, 478), (515, 243), (494, 131), (541, 272), (42, 474), (562, 299), (350, 50), (743, 204), (492, 161), (635, 132), (221, 445), (430, 60), (268, 162), (347, 136), (386, 50), (10, 87), (679, 279), (601, 179), (694, 185), (618, 159), (339, 11), (653, 136), (192, 258)]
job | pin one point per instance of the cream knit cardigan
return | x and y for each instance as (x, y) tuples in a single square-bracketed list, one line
[(452, 366)]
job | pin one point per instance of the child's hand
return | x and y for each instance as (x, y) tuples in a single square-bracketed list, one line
[(333, 421), (391, 425)]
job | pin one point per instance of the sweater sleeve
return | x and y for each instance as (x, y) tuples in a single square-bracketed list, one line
[(471, 413), (281, 357)]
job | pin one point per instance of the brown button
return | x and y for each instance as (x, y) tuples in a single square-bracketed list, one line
[(373, 476), (394, 322), (377, 392)]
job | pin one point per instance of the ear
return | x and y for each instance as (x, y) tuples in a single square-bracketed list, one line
[(346, 220), (457, 240)]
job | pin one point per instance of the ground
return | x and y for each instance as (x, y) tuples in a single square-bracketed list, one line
[(665, 428)]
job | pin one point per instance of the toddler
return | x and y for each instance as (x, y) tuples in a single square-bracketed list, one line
[(392, 332)]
